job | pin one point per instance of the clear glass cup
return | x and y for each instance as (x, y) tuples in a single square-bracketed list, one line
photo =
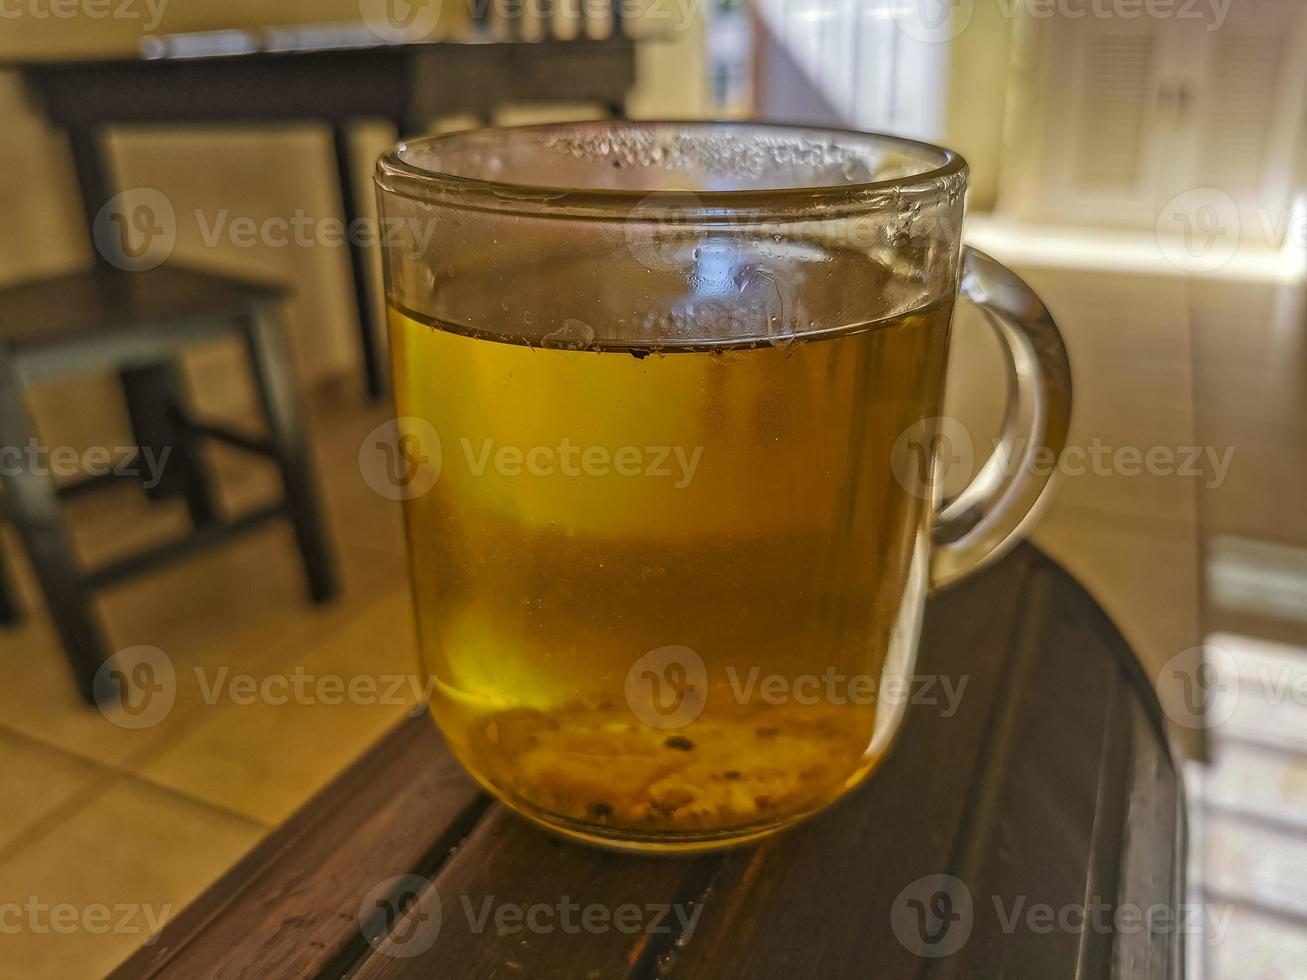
[(670, 397)]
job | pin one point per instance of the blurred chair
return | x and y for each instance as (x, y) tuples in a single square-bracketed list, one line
[(138, 323), (107, 320)]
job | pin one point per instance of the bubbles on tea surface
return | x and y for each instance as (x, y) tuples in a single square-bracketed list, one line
[(731, 157), (572, 335)]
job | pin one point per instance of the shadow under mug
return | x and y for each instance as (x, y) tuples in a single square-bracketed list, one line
[(669, 443)]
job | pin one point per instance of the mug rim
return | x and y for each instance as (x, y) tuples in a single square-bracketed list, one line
[(397, 175)]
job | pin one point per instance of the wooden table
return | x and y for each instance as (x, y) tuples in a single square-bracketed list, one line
[(1052, 784), (334, 75)]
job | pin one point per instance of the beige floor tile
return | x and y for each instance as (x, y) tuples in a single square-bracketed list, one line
[(1151, 401), (132, 849), (265, 759), (1237, 403), (1262, 691), (1261, 579), (364, 518), (118, 520), (1128, 319), (1248, 779), (1250, 376), (1256, 946), (1261, 497), (1272, 628), (1248, 863), (232, 605), (1111, 472), (37, 782), (358, 512), (41, 702), (1248, 324)]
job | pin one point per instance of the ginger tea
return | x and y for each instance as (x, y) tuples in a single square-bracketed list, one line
[(661, 588)]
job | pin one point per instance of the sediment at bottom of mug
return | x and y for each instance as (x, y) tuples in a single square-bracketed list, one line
[(627, 841)]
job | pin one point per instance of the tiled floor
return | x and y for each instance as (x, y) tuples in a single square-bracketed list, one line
[(93, 813), (1250, 355)]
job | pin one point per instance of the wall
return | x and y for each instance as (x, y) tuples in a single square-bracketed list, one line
[(981, 70)]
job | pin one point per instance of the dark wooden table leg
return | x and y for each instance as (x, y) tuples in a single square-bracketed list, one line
[(11, 609), (33, 506), (275, 379), (373, 369), (153, 393)]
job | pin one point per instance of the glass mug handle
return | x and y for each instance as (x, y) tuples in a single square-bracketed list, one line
[(987, 518)]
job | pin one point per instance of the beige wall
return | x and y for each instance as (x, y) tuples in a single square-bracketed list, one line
[(980, 71), (671, 72)]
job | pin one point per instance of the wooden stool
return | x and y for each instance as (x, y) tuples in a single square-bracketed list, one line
[(139, 323)]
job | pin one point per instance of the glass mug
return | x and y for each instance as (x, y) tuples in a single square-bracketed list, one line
[(669, 395)]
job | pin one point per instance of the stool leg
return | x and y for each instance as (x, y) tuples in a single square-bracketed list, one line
[(373, 369), (274, 377), (11, 611), (154, 398), (34, 509)]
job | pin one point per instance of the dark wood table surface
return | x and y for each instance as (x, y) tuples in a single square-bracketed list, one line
[(332, 74), (1051, 785)]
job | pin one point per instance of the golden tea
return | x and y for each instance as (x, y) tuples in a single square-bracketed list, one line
[(634, 567)]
